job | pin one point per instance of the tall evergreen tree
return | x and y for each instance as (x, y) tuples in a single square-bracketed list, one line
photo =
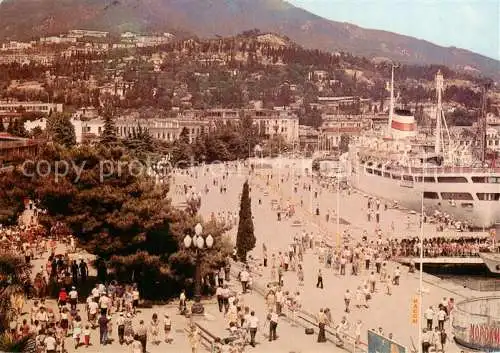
[(245, 239), (2, 128), (108, 136), (16, 128), (61, 130)]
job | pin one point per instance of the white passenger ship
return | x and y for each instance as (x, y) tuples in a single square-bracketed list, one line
[(402, 165)]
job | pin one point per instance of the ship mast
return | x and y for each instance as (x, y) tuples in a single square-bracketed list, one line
[(391, 106), (483, 123), (439, 112)]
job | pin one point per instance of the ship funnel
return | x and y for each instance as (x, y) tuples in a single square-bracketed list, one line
[(403, 124)]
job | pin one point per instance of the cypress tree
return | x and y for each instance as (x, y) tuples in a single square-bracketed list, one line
[(2, 127), (108, 136), (245, 239)]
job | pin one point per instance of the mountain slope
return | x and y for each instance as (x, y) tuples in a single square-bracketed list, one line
[(33, 18)]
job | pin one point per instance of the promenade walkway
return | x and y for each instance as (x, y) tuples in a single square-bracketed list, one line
[(392, 313)]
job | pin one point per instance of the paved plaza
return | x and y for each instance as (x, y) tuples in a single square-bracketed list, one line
[(271, 188), (392, 313)]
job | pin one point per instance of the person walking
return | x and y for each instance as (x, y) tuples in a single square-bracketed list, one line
[(120, 324), (347, 300), (73, 298), (429, 317), (182, 302), (319, 283), (142, 333), (397, 275), (441, 317), (300, 275), (136, 346), (167, 328), (253, 324), (273, 325), (103, 329), (321, 325), (372, 280), (443, 339), (154, 327), (426, 343), (244, 276), (194, 338), (220, 298)]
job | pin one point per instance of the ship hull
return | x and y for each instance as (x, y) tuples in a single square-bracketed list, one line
[(492, 261), (479, 214)]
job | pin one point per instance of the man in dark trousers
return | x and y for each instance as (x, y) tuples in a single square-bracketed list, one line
[(273, 325), (84, 270), (103, 329), (142, 333), (319, 284), (253, 324), (74, 272)]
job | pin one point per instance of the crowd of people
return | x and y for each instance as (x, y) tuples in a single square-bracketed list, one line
[(109, 314), (440, 246)]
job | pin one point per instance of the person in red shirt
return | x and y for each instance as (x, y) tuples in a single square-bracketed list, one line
[(63, 298)]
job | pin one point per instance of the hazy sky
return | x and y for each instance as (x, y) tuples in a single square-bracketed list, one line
[(468, 24)]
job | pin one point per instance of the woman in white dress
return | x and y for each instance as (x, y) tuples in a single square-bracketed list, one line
[(167, 327), (77, 331), (154, 327), (360, 297)]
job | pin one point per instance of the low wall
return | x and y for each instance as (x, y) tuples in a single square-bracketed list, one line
[(476, 323)]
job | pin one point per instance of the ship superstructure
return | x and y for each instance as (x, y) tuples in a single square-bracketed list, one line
[(402, 165)]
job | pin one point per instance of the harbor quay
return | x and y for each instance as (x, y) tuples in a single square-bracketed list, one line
[(279, 189)]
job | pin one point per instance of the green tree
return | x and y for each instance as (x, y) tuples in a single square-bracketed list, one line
[(117, 213), (15, 188), (140, 144), (13, 273), (245, 238), (61, 130), (16, 128), (37, 132), (108, 136), (2, 127)]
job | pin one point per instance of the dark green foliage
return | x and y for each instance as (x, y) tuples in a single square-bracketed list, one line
[(245, 238), (140, 144), (15, 188), (61, 130), (2, 127), (13, 274), (116, 213), (226, 143), (108, 136), (23, 344), (16, 128)]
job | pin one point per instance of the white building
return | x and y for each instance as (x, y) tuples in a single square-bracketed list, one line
[(13, 45), (80, 33), (86, 130), (12, 106), (86, 113), (276, 122), (58, 40), (41, 123)]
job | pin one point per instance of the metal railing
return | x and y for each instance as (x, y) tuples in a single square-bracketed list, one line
[(475, 323), (207, 338), (306, 319)]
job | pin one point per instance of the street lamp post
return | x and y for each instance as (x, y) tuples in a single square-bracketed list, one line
[(198, 243)]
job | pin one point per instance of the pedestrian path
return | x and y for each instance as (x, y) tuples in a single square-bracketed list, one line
[(391, 312), (291, 337)]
